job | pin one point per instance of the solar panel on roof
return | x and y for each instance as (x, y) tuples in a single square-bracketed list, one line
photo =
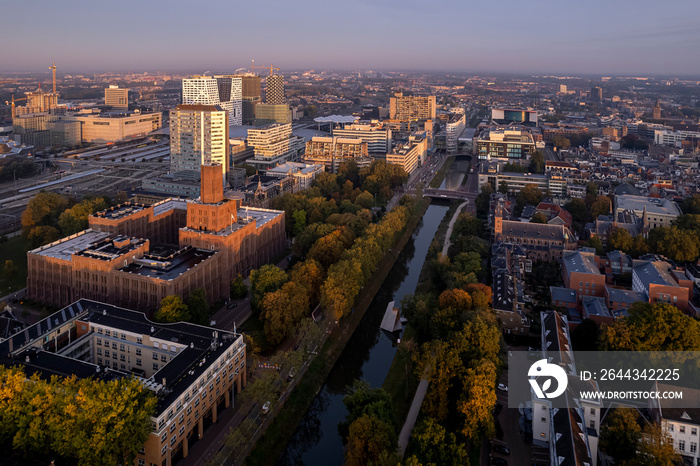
[(80, 306), (63, 314), (71, 311)]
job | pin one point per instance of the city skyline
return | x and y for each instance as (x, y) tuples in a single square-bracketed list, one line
[(534, 37)]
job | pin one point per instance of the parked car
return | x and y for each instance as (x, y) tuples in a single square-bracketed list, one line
[(501, 449), (502, 387), (266, 408)]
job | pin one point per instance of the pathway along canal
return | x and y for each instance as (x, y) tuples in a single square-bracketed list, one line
[(368, 355)]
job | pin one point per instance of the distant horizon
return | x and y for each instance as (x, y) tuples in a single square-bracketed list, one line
[(593, 38)]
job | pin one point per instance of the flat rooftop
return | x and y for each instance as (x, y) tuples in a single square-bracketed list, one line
[(169, 204), (108, 250), (64, 248), (120, 211), (653, 205), (168, 267)]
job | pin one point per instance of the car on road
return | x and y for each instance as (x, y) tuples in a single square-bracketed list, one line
[(501, 449), (266, 408), (498, 461), (232, 305), (502, 387)]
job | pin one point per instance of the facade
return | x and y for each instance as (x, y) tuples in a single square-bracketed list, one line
[(194, 371), (274, 144), (515, 181), (223, 90), (274, 91), (112, 127), (582, 274), (596, 94), (302, 173), (272, 113), (135, 255), (198, 135), (39, 101), (507, 116), (251, 96), (680, 423), (117, 98), (331, 151), (378, 138), (453, 129), (675, 138), (654, 212), (64, 133), (409, 155), (661, 283), (408, 108), (503, 143)]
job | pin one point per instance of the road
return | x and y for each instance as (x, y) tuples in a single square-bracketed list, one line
[(407, 428)]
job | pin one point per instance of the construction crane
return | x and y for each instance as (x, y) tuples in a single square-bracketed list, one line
[(252, 67), (13, 103), (53, 69)]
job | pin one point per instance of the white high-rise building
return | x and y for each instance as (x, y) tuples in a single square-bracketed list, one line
[(198, 136), (223, 90)]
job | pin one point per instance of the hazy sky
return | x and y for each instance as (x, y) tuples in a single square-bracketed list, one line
[(536, 36)]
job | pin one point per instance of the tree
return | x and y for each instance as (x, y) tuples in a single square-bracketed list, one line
[(266, 279), (43, 209), (299, 219), (503, 187), (675, 243), (578, 210), (691, 205), (595, 243), (537, 162), (621, 434), (456, 299), (561, 143), (652, 327), (483, 199), (9, 270), (538, 218), (75, 219), (440, 363), (238, 288), (365, 200), (172, 309), (198, 306), (477, 400), (328, 250), (42, 234), (513, 168), (529, 195), (343, 283), (368, 438), (467, 225), (656, 448), (435, 445), (621, 240), (601, 206), (360, 400), (282, 310), (308, 274)]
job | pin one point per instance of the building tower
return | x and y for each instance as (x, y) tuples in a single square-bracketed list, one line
[(117, 98), (275, 89), (198, 136), (656, 112), (223, 90), (251, 96), (596, 94)]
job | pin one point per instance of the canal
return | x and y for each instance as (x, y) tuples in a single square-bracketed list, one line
[(368, 354), (455, 177)]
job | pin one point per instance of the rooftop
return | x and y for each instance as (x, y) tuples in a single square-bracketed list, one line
[(168, 267), (64, 248), (577, 261), (595, 306), (561, 294), (654, 273), (653, 205), (625, 296), (120, 211)]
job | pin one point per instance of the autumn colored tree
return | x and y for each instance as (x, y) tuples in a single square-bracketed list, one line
[(456, 299), (538, 218), (365, 200), (481, 294), (282, 310), (238, 288), (328, 249), (435, 445), (42, 234), (172, 309), (620, 239), (75, 219), (656, 448), (529, 195), (601, 206), (43, 210), (440, 363), (369, 437), (343, 283), (308, 274), (620, 435), (266, 279), (9, 270), (477, 399)]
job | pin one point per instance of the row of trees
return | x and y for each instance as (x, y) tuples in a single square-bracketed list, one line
[(195, 309), (16, 169), (83, 420)]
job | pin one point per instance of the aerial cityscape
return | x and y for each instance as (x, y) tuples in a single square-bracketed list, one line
[(310, 234)]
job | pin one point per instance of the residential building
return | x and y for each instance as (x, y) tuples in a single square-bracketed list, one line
[(409, 155), (655, 212), (679, 422), (274, 144), (266, 114), (117, 98), (377, 137), (274, 89), (215, 240), (453, 129), (191, 370), (562, 130), (331, 151), (662, 283), (582, 274), (619, 301), (596, 94), (509, 263), (564, 297), (198, 136), (407, 108), (503, 143)]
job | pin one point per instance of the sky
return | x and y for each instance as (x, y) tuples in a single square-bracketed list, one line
[(618, 37)]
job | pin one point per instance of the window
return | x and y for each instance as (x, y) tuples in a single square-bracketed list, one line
[(163, 450), (189, 409), (172, 427), (593, 411), (107, 332), (681, 429), (114, 346), (670, 427), (99, 341), (172, 440), (163, 358), (142, 462), (138, 351), (181, 431), (99, 330), (138, 362), (99, 360), (544, 419), (99, 350), (106, 353), (681, 445), (155, 366), (155, 357), (123, 367), (114, 355), (181, 418), (122, 348), (693, 447), (122, 336), (693, 431), (139, 340)]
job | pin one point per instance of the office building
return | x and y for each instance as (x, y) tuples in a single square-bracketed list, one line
[(377, 137), (506, 116), (266, 114), (198, 136), (596, 94), (408, 108), (453, 130), (331, 151), (676, 139), (409, 155), (274, 89), (117, 98), (111, 127), (64, 133), (223, 90), (126, 257), (654, 212), (192, 370), (274, 144), (251, 92), (503, 143)]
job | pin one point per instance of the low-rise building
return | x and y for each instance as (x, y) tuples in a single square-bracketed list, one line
[(377, 137), (504, 143), (331, 151), (655, 212), (662, 283), (582, 274), (110, 127)]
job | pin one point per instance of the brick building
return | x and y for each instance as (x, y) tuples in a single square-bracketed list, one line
[(135, 255)]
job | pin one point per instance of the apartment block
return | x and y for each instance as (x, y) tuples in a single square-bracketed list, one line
[(331, 151), (377, 137), (407, 108), (274, 144)]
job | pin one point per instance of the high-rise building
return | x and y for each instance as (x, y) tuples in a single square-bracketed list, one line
[(453, 130), (117, 98), (39, 101), (656, 113), (596, 94), (562, 88), (223, 90), (378, 138), (274, 93), (251, 96), (272, 113), (410, 107), (198, 136), (274, 144)]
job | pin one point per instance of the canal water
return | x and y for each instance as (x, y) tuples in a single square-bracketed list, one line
[(455, 177), (368, 355)]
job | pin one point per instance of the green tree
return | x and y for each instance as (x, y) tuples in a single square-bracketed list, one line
[(467, 225), (513, 168), (282, 310), (621, 240), (561, 143), (537, 162), (266, 279), (43, 234), (435, 445), (365, 200), (578, 210), (675, 243), (328, 250), (529, 195), (343, 283), (172, 309), (75, 219), (299, 219), (369, 437), (198, 306), (360, 400), (601, 206), (621, 434), (238, 288), (503, 187), (538, 218), (43, 210), (595, 243), (691, 205), (483, 199), (9, 270)]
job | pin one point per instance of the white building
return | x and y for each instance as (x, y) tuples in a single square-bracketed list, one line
[(198, 135), (681, 424), (223, 90), (377, 137), (453, 130), (274, 144), (674, 138)]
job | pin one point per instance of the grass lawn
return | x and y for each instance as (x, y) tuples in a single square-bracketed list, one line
[(398, 384), (15, 250), (440, 175)]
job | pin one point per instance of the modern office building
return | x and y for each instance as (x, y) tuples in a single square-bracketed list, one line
[(377, 137), (193, 371), (198, 135), (503, 143), (126, 257), (223, 90), (274, 89), (676, 138), (331, 151), (506, 116), (251, 94), (407, 108), (453, 129), (111, 127), (266, 114), (274, 144), (117, 98)]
